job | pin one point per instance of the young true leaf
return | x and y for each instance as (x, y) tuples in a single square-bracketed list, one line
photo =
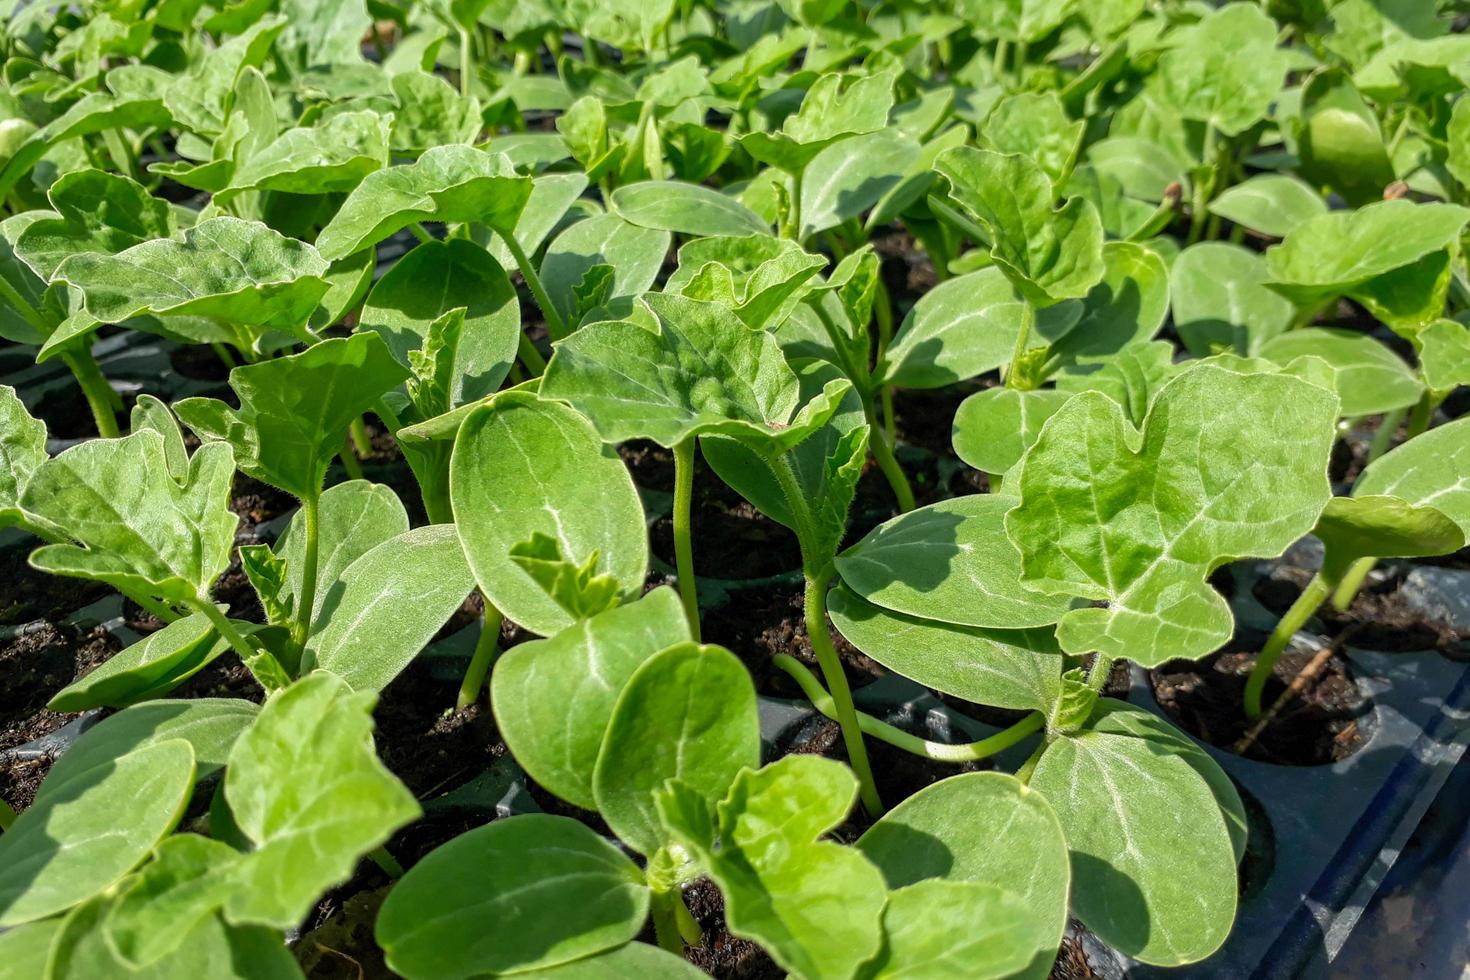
[(306, 762), (553, 698), (994, 428), (1145, 898), (578, 589), (1019, 669), (332, 157), (452, 183), (1272, 204), (382, 609), (634, 254), (225, 268), (1444, 354), (687, 714), (462, 911), (1220, 300), (1035, 124), (1225, 70), (187, 880), (294, 411), (813, 904), (1048, 254), (1370, 378), (427, 283), (758, 277), (89, 826), (96, 212), (1226, 466), (136, 527), (522, 466), (831, 109), (1428, 470), (22, 451), (431, 113), (689, 209), (147, 669), (960, 329), (949, 562)]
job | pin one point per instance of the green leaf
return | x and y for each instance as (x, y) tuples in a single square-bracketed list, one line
[(1341, 142), (1016, 20), (1018, 669), (431, 113), (22, 451), (150, 413), (1127, 307), (89, 826), (1123, 803), (186, 881), (1035, 124), (833, 108), (1227, 466), (938, 929), (689, 209), (852, 175), (688, 714), (267, 573), (294, 411), (353, 518), (1429, 470), (1370, 378), (452, 183), (552, 196), (553, 698), (635, 255), (813, 905), (307, 790), (387, 605), (1272, 204), (1374, 526), (332, 157), (146, 669), (225, 268), (760, 278), (960, 329), (1048, 254), (529, 892), (135, 526), (1221, 301), (97, 212), (1444, 355), (951, 562), (576, 588), (210, 725), (1225, 70), (523, 466), (25, 950), (427, 283), (1133, 378), (1457, 139), (635, 961), (994, 428)]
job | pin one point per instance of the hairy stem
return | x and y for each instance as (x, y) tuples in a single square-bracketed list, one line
[(486, 648), (360, 441), (1316, 592), (683, 539), (1023, 337), (95, 389), (555, 325), (1383, 438), (878, 441), (306, 601), (466, 64), (530, 357), (265, 668), (897, 737), (350, 462), (1101, 670)]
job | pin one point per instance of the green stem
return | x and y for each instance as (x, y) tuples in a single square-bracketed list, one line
[(688, 928), (29, 313), (160, 612), (959, 222), (530, 357), (683, 540), (1383, 438), (387, 416), (555, 326), (1023, 337), (360, 441), (897, 737), (121, 153), (1028, 767), (419, 232), (1101, 670), (387, 862), (306, 601), (1352, 582), (999, 64), (887, 462), (7, 816), (1316, 592), (666, 922), (1423, 413), (466, 61), (263, 666), (95, 389), (223, 353), (486, 647)]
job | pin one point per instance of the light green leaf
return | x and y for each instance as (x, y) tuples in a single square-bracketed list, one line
[(146, 669), (813, 905), (1225, 70), (451, 183), (576, 588), (1132, 378), (1341, 140), (635, 961), (1124, 803), (635, 255), (1018, 669), (135, 526), (1227, 466), (210, 725), (1373, 526), (689, 209), (552, 196), (933, 930), (688, 714), (387, 605), (1457, 139), (353, 518), (1035, 124), (1127, 307), (306, 788), (24, 950), (431, 113), (294, 410), (553, 698), (187, 880), (852, 175), (1272, 204), (226, 268), (759, 277), (96, 212), (1221, 301), (529, 892), (150, 413), (332, 157), (22, 451), (994, 428), (522, 466), (949, 562), (960, 329), (89, 826), (1048, 254), (1430, 470), (1444, 354), (428, 282), (1370, 378), (833, 108)]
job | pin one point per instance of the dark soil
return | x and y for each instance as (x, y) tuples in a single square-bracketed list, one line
[(721, 954), (1380, 617), (256, 504), (200, 362), (925, 418), (758, 623), (68, 416), (30, 595), (1323, 724), (1072, 962)]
